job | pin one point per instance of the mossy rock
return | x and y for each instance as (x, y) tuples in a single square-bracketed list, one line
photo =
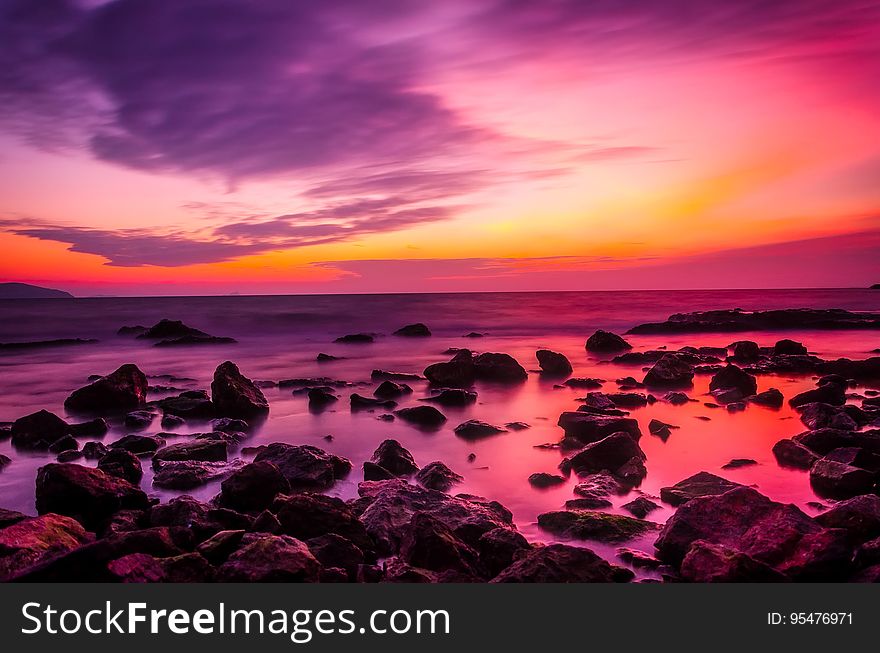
[(594, 525)]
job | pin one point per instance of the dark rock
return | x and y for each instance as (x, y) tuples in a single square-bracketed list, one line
[(641, 507), (374, 472), (306, 516), (786, 347), (326, 358), (424, 416), (188, 474), (606, 342), (191, 404), (266, 522), (670, 372), (170, 329), (792, 454), (560, 563), (169, 422), (4, 461), (553, 363), (583, 383), (819, 416), (587, 428), (393, 457), (184, 341), (217, 548), (500, 548), (123, 390), (235, 395), (736, 463), (65, 444), (136, 568), (94, 450), (859, 517), (202, 450), (734, 378), (594, 490), (139, 444), (417, 330), (138, 419), (333, 550), (474, 334), (498, 368), (617, 453), (776, 534), (356, 339), (830, 393), (29, 541), (359, 402), (37, 431), (474, 429), (122, 464), (319, 398), (457, 373), (10, 517), (638, 559), (88, 495), (94, 428), (428, 543), (229, 425), (64, 457), (738, 320), (131, 330), (253, 487), (701, 484), (676, 398), (545, 480), (593, 525), (305, 467), (265, 558), (715, 563), (661, 429), (517, 426), (823, 441), (437, 476), (628, 399), (837, 480), (452, 397), (772, 398), (391, 390), (745, 350), (385, 375)]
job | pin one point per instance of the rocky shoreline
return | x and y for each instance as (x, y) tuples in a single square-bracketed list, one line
[(273, 521)]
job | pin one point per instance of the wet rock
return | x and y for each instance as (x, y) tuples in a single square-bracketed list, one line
[(560, 563), (423, 416), (587, 428), (139, 444), (333, 550), (122, 464), (701, 484), (359, 402), (820, 416), (326, 358), (618, 453), (385, 375), (189, 474), (10, 517), (37, 431), (838, 480), (88, 495), (629, 399), (305, 467), (786, 347), (517, 426), (553, 363), (266, 522), (640, 507), (459, 372), (170, 329), (170, 422), (583, 383), (772, 398), (596, 488), (593, 525), (138, 419), (94, 428), (452, 397), (136, 568), (737, 320), (392, 390), (29, 541), (737, 463), (66, 444), (715, 563), (94, 450), (190, 404), (391, 456), (201, 450), (229, 425), (235, 395), (319, 398), (374, 472), (253, 487), (733, 378), (745, 350), (676, 398), (474, 429), (356, 339), (776, 534), (500, 548), (217, 548), (545, 480), (823, 441), (670, 372), (606, 342), (638, 559), (859, 517), (437, 476), (266, 558), (498, 368), (306, 516), (123, 390), (428, 543), (661, 429), (417, 330), (829, 393)]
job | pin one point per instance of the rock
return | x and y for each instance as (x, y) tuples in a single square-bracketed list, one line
[(474, 429), (606, 342), (37, 431), (423, 416), (417, 330), (270, 559), (452, 397), (230, 425), (94, 450), (772, 398), (136, 568), (266, 522), (560, 563), (597, 488), (306, 516), (188, 474), (319, 398), (359, 402), (638, 559), (661, 429), (66, 444), (326, 358), (390, 455), (88, 495), (139, 444), (745, 350), (545, 480), (385, 375), (792, 454), (583, 383), (593, 525), (641, 507), (517, 426), (587, 428), (676, 398), (305, 467), (195, 340), (474, 334), (333, 550), (498, 368), (823, 441), (253, 487), (187, 568), (737, 320), (612, 453), (122, 464), (235, 395), (437, 476), (123, 390), (170, 329), (715, 563), (390, 505), (859, 517), (457, 373), (191, 404), (10, 517), (29, 541), (94, 428), (170, 422), (428, 543), (356, 339), (830, 393), (734, 378), (217, 548), (670, 372), (553, 363), (776, 534), (374, 472), (391, 390), (837, 480), (786, 347), (628, 399), (4, 461), (202, 450), (737, 463), (819, 416), (500, 548), (131, 330), (701, 484)]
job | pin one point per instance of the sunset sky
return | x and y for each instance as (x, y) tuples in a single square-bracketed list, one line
[(284, 146)]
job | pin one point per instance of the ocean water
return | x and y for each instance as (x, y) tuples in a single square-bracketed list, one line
[(279, 337)]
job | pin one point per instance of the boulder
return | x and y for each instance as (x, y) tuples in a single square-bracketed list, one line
[(428, 543), (122, 464), (139, 444), (545, 480), (553, 363), (417, 330), (265, 558), (305, 467), (437, 476), (593, 525), (423, 416), (786, 347), (38, 431), (598, 487), (838, 480), (456, 373), (859, 517), (202, 450), (560, 563), (499, 548), (94, 428), (583, 383), (392, 390), (587, 427), (188, 474), (671, 371), (615, 453), (306, 516), (793, 454), (606, 342), (235, 395), (333, 550), (320, 398), (169, 329), (498, 368), (356, 339), (29, 541), (253, 487), (374, 472), (94, 450), (359, 402), (732, 377), (640, 507), (452, 397), (715, 563), (661, 429), (123, 390), (829, 393), (190, 404), (820, 416), (824, 440), (745, 350), (771, 398), (474, 429), (676, 398), (393, 457), (88, 495), (10, 517), (701, 484), (138, 419)]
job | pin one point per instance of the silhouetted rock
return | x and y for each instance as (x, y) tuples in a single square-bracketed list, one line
[(185, 341), (793, 454), (499, 548), (733, 378), (326, 358), (587, 427), (320, 398), (669, 372), (457, 373), (38, 431), (560, 563), (359, 402), (583, 383), (745, 351), (553, 363), (701, 484), (606, 342), (545, 480), (819, 416), (617, 453), (661, 429), (424, 416), (829, 393), (202, 450), (392, 390), (737, 463), (428, 543), (253, 487), (190, 404), (393, 457), (786, 347), (235, 395), (170, 329), (306, 515), (839, 480), (772, 398), (474, 429), (859, 517), (676, 398), (94, 428), (123, 390), (356, 339), (139, 444), (437, 476), (738, 320), (305, 467), (498, 368), (452, 397), (135, 330), (417, 330)]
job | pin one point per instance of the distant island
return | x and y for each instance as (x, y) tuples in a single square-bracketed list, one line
[(28, 291)]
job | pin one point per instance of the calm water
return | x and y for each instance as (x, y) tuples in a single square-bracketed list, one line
[(279, 338)]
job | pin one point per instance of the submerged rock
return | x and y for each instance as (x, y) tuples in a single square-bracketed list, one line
[(772, 398), (452, 397), (424, 416), (583, 383), (474, 429), (553, 363), (593, 525), (545, 480), (606, 342), (201, 450), (305, 467), (235, 395), (139, 444)]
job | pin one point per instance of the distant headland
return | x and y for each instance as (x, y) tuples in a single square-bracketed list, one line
[(28, 291)]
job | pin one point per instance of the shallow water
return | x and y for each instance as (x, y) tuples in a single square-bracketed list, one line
[(279, 338)]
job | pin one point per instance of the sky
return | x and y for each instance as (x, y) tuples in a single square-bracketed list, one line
[(159, 147)]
